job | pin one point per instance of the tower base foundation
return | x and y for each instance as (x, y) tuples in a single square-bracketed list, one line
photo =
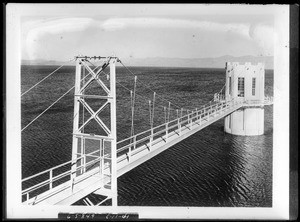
[(245, 122)]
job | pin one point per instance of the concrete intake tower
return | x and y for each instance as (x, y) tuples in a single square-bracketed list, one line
[(247, 83)]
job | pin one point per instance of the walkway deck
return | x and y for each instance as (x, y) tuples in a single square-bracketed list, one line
[(130, 156)]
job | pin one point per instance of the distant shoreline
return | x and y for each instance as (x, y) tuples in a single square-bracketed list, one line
[(160, 67), (217, 62)]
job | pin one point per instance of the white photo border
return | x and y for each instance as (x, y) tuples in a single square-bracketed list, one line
[(280, 205)]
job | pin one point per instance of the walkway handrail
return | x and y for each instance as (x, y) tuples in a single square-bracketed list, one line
[(51, 179), (178, 123), (149, 130), (54, 168), (182, 121), (56, 178)]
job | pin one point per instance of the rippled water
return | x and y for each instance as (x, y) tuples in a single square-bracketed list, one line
[(210, 168)]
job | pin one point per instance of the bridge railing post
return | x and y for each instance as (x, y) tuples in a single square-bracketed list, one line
[(132, 145), (151, 138), (102, 159), (200, 117), (213, 110), (134, 142), (193, 116), (181, 111), (216, 108), (208, 114), (177, 112), (188, 116), (84, 156), (167, 130), (50, 179), (129, 152)]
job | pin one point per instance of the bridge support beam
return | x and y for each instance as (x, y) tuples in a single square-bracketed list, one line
[(75, 120), (94, 100), (113, 123)]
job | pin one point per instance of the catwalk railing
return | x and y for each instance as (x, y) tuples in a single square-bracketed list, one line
[(58, 178)]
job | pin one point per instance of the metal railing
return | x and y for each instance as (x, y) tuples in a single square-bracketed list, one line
[(163, 131), (268, 100), (219, 97), (132, 144), (51, 178), (48, 179)]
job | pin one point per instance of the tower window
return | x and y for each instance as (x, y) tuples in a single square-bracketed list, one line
[(241, 87), (253, 86)]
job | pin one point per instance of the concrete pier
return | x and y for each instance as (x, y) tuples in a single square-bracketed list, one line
[(247, 83)]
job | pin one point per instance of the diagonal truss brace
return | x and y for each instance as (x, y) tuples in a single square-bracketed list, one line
[(95, 77), (94, 116)]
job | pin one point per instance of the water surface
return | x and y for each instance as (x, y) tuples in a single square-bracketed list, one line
[(210, 168)]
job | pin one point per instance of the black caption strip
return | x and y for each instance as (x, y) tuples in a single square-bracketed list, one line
[(93, 216)]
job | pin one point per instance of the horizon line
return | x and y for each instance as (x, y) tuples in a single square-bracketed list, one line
[(258, 56)]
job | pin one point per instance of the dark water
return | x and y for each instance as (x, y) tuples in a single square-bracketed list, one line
[(210, 168)]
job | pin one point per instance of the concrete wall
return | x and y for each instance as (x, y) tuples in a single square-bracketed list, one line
[(246, 121)]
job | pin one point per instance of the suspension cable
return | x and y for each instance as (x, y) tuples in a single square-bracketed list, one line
[(47, 108), (150, 113), (45, 78), (169, 108), (162, 97), (132, 107), (147, 85), (152, 120), (52, 104), (218, 92), (169, 112), (144, 97)]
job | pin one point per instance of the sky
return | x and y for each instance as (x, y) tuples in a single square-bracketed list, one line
[(60, 32)]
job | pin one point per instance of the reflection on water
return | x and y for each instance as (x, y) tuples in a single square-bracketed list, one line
[(210, 168)]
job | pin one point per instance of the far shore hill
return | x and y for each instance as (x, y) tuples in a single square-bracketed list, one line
[(217, 62)]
